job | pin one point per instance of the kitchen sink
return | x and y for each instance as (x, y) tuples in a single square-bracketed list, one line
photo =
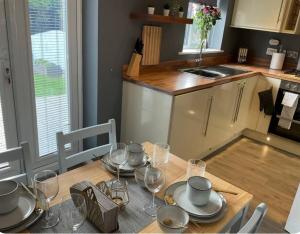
[(215, 72)]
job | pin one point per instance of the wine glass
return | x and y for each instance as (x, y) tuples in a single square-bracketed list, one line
[(154, 181), (160, 154), (118, 157), (46, 189), (73, 212)]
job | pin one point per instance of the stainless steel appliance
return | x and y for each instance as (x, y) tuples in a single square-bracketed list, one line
[(294, 132)]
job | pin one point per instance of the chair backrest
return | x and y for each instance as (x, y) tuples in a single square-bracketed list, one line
[(21, 154), (292, 223), (256, 219), (66, 161)]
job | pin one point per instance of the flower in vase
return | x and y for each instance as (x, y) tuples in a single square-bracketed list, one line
[(205, 18)]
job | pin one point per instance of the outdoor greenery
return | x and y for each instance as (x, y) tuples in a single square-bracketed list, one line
[(49, 86)]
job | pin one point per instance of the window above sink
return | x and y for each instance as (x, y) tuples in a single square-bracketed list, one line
[(191, 42)]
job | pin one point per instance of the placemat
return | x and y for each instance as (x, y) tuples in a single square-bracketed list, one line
[(131, 220)]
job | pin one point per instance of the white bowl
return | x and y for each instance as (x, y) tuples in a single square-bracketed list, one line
[(9, 197), (172, 219)]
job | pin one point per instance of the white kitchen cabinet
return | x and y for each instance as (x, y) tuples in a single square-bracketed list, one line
[(146, 114), (257, 120), (266, 15), (220, 123), (247, 89), (189, 123)]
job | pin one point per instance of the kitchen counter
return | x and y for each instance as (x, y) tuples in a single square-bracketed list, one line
[(174, 82)]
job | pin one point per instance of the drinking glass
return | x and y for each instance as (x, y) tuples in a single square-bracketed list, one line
[(195, 167), (46, 189), (73, 212), (154, 181), (118, 157), (160, 154)]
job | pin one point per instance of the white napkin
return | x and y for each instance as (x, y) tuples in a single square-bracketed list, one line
[(289, 99), (289, 102)]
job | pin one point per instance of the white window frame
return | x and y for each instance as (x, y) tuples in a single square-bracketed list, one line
[(20, 51), (192, 51)]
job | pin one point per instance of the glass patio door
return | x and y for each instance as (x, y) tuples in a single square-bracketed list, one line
[(48, 25), (44, 40), (8, 132)]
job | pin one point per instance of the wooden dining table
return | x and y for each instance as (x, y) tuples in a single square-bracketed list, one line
[(175, 171)]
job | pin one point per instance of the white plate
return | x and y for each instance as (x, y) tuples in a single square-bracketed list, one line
[(126, 167), (122, 173), (212, 208), (215, 218), (26, 206)]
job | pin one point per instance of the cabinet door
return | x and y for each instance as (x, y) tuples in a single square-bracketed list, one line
[(257, 120), (146, 114), (258, 14), (220, 126), (189, 121), (242, 112)]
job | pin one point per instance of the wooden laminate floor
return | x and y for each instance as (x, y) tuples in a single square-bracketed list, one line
[(271, 175)]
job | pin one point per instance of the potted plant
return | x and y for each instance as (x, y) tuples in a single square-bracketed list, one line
[(166, 9), (151, 10), (180, 12), (205, 19)]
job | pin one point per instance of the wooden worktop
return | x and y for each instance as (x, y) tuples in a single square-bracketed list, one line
[(174, 82)]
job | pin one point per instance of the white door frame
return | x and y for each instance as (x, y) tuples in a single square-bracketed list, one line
[(6, 93), (22, 72)]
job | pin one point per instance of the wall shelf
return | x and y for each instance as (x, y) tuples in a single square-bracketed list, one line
[(161, 18)]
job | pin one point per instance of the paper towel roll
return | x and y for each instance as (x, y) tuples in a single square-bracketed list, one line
[(277, 61)]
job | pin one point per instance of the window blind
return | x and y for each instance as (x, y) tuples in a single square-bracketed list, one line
[(3, 146), (48, 27), (2, 132)]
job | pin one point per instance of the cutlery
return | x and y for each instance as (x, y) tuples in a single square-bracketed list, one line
[(225, 191), (28, 190), (169, 200)]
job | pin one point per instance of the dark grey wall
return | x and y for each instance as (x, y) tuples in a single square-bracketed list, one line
[(257, 41), (90, 65)]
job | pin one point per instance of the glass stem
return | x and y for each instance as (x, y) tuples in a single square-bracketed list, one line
[(153, 200), (47, 212)]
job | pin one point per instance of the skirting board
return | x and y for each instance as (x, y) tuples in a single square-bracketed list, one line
[(274, 140), (215, 150)]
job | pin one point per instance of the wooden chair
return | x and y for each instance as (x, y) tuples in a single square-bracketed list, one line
[(67, 161), (21, 154), (256, 219)]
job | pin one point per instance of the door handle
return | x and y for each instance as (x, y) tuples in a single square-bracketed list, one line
[(210, 101), (236, 104), (239, 104), (6, 71)]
